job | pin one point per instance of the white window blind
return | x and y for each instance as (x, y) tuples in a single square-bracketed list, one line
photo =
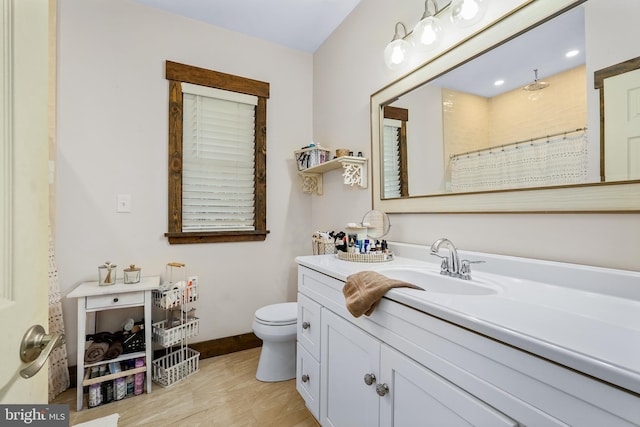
[(218, 186), (391, 158)]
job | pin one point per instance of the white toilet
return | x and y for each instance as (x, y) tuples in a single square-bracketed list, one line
[(275, 325)]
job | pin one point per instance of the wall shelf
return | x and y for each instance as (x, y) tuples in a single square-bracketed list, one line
[(354, 172)]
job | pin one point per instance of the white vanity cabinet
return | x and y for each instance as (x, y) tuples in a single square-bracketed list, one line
[(433, 372), (366, 382)]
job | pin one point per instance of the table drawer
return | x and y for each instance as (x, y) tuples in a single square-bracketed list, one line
[(115, 300)]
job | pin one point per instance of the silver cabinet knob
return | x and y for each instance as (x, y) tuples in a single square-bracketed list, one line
[(369, 379), (306, 325), (305, 378), (382, 389)]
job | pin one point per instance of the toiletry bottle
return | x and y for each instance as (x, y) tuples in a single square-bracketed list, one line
[(95, 395), (138, 380), (120, 388), (130, 386), (107, 391)]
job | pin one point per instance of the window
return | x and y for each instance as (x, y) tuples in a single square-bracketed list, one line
[(394, 148), (217, 156)]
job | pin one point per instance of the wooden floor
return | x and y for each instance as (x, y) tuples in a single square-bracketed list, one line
[(224, 393)]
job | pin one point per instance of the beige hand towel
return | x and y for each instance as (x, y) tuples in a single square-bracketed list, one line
[(364, 290)]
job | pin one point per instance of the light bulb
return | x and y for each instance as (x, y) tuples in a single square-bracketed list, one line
[(427, 33), (396, 53), (466, 12)]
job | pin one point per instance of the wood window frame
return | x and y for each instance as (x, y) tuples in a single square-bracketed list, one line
[(177, 73), (401, 114)]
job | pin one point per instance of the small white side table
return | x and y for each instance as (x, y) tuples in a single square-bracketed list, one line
[(93, 298)]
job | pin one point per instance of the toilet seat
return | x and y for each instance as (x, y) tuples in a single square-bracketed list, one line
[(278, 314)]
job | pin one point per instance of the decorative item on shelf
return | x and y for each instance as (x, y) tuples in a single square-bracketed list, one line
[(341, 152), (427, 33), (107, 274), (132, 274), (311, 155)]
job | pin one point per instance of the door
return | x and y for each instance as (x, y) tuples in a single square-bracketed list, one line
[(348, 354), (622, 129), (419, 397), (23, 190)]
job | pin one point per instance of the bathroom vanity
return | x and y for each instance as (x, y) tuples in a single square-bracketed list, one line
[(523, 343)]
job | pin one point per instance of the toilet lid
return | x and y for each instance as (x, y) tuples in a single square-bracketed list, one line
[(283, 313)]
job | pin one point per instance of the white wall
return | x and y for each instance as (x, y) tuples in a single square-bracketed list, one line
[(348, 68), (112, 139)]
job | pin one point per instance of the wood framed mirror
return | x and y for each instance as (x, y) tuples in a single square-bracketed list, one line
[(595, 193)]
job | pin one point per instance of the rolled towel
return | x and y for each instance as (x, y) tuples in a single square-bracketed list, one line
[(364, 290), (115, 350), (95, 352)]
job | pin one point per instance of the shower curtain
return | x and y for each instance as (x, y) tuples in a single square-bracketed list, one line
[(552, 161), (58, 364)]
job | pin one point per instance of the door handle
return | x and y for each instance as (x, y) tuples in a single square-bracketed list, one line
[(36, 347)]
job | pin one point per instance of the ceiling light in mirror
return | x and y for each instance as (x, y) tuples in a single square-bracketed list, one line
[(572, 53)]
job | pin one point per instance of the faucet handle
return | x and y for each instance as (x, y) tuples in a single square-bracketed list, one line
[(465, 268), (444, 265)]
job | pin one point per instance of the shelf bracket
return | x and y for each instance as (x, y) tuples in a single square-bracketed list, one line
[(311, 183), (354, 172)]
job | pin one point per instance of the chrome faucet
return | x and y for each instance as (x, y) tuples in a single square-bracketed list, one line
[(451, 266)]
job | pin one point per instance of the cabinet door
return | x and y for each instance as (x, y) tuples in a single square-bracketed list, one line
[(308, 380), (309, 325), (348, 354), (419, 397)]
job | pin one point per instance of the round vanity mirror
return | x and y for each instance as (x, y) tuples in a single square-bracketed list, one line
[(377, 224)]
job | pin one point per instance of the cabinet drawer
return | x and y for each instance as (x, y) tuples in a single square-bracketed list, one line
[(309, 325), (308, 380), (115, 300)]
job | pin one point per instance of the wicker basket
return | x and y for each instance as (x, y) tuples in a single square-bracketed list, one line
[(167, 337), (369, 257), (175, 366), (323, 246)]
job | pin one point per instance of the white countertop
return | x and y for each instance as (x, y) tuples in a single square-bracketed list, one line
[(596, 333)]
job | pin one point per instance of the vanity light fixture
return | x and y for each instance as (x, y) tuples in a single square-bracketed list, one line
[(427, 33), (397, 52), (467, 12)]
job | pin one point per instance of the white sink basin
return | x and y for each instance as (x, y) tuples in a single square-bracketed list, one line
[(435, 282)]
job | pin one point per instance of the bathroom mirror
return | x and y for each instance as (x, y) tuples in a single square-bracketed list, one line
[(378, 224), (430, 111)]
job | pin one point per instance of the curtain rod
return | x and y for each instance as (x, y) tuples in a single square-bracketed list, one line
[(584, 129)]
